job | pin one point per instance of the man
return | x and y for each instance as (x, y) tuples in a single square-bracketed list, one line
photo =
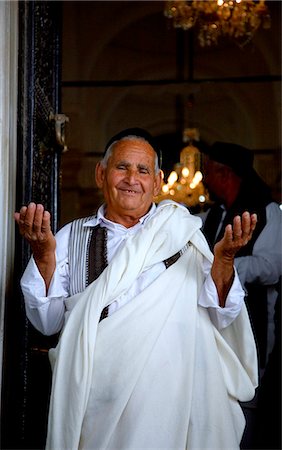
[(156, 347), (236, 187)]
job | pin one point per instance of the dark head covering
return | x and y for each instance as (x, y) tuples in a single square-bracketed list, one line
[(239, 158), (138, 132)]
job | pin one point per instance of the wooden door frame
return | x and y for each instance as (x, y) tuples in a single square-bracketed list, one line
[(26, 371), (8, 146)]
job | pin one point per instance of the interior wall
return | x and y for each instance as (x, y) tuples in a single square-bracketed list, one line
[(125, 65)]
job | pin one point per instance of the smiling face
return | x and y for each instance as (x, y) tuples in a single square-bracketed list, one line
[(129, 181)]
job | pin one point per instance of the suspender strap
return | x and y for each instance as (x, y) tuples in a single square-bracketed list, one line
[(97, 259), (172, 259)]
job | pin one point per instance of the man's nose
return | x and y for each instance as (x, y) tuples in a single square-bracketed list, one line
[(132, 175)]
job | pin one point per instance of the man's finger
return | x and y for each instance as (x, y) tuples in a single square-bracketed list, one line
[(38, 217), (237, 228), (27, 215), (22, 214), (246, 227), (246, 222), (228, 235), (46, 226), (17, 217), (254, 220)]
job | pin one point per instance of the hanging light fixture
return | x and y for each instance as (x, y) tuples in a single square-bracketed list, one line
[(184, 183), (214, 19)]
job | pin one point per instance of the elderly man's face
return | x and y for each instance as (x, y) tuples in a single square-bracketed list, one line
[(129, 182)]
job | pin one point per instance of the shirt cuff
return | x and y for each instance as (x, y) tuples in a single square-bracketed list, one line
[(34, 289), (222, 317)]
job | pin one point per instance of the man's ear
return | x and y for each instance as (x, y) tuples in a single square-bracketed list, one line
[(158, 183), (99, 175)]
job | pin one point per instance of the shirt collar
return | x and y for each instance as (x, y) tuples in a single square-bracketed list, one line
[(100, 219)]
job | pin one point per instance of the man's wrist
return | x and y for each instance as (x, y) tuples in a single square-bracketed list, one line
[(223, 274)]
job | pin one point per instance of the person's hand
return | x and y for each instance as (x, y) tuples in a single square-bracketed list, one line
[(34, 225), (236, 236)]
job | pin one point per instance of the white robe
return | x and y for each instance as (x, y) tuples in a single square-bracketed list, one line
[(156, 374)]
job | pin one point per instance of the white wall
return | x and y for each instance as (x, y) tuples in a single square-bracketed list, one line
[(8, 121)]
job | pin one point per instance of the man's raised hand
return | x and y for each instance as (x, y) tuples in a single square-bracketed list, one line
[(236, 235), (34, 225)]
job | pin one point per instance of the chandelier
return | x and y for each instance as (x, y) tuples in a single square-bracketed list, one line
[(214, 19), (184, 183)]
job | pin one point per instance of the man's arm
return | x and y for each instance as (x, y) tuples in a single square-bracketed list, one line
[(34, 226), (235, 237)]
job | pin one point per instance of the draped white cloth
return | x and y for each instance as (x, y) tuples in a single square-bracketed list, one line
[(156, 374)]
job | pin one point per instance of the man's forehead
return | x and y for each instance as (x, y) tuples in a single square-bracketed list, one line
[(139, 134), (132, 149)]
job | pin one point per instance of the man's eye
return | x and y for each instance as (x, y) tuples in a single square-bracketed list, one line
[(121, 167), (143, 170)]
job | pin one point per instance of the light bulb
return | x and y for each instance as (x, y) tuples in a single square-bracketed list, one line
[(185, 172), (198, 177), (172, 178)]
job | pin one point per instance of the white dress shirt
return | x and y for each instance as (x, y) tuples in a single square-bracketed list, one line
[(46, 312)]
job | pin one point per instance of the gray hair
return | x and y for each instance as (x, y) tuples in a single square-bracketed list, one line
[(109, 151)]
